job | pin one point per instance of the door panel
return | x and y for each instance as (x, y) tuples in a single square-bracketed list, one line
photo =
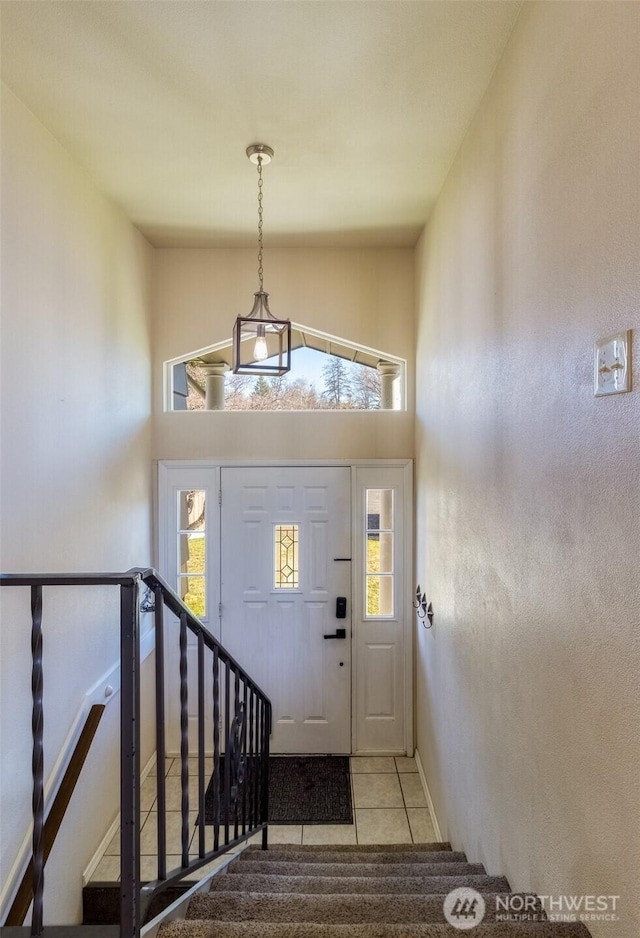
[(379, 673), (281, 530)]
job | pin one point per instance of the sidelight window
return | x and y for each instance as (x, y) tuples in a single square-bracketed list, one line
[(192, 580), (379, 572)]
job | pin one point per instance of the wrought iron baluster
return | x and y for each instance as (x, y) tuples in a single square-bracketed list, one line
[(201, 824), (251, 762), (237, 753), (258, 779), (265, 780), (129, 761), (245, 760), (227, 760), (161, 788), (184, 740), (216, 749), (37, 759)]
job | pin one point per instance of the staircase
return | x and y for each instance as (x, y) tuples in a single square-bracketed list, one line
[(353, 892)]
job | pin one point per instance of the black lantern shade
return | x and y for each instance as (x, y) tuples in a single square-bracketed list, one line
[(261, 343)]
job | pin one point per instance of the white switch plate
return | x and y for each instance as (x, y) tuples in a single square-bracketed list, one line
[(612, 371)]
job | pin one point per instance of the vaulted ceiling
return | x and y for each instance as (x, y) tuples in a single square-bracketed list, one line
[(365, 103)]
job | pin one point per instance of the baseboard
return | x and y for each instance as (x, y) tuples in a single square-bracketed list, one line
[(379, 753), (427, 794)]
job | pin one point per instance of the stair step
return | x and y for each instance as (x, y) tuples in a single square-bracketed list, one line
[(101, 902), (351, 848), (202, 929), (286, 868), (329, 909), (369, 885), (331, 855), (62, 931)]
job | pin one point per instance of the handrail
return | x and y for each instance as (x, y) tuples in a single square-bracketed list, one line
[(24, 896), (152, 579), (240, 759), (70, 579)]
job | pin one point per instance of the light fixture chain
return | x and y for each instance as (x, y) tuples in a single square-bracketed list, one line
[(260, 270), (269, 350)]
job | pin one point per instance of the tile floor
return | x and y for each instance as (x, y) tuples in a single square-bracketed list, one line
[(387, 796)]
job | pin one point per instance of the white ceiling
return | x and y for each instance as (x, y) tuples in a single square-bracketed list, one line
[(364, 101)]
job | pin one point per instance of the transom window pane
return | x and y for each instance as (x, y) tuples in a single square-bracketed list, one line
[(285, 554), (379, 571), (191, 572)]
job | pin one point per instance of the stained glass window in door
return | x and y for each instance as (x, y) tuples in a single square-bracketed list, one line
[(285, 554)]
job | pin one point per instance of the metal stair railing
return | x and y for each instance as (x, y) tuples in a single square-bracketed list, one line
[(240, 779), (55, 816)]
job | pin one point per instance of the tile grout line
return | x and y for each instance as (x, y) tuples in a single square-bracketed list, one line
[(356, 826)]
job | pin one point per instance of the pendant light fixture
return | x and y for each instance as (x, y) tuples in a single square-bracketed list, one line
[(261, 343)]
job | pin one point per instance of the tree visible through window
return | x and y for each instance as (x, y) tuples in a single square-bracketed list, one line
[(343, 385), (326, 374)]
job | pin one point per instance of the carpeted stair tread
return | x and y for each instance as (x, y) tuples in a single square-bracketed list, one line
[(352, 848), (284, 868), (203, 929), (329, 855), (362, 885), (329, 909), (355, 892)]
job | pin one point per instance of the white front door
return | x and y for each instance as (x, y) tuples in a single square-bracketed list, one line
[(285, 569)]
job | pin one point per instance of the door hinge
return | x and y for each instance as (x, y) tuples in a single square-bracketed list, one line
[(220, 609), (220, 496)]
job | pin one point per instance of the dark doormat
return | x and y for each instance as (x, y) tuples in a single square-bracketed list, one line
[(302, 790)]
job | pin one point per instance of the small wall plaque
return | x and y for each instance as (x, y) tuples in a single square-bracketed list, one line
[(612, 365)]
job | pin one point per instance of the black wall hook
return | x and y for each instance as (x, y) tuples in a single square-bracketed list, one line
[(423, 608)]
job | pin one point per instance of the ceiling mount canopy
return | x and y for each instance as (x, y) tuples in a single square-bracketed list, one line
[(260, 153), (261, 343)]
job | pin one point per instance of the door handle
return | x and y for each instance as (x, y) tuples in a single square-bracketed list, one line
[(339, 633)]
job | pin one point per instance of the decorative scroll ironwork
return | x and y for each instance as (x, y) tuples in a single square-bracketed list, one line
[(237, 759)]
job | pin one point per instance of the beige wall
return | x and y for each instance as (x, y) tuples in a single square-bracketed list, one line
[(76, 467), (365, 296), (529, 487)]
